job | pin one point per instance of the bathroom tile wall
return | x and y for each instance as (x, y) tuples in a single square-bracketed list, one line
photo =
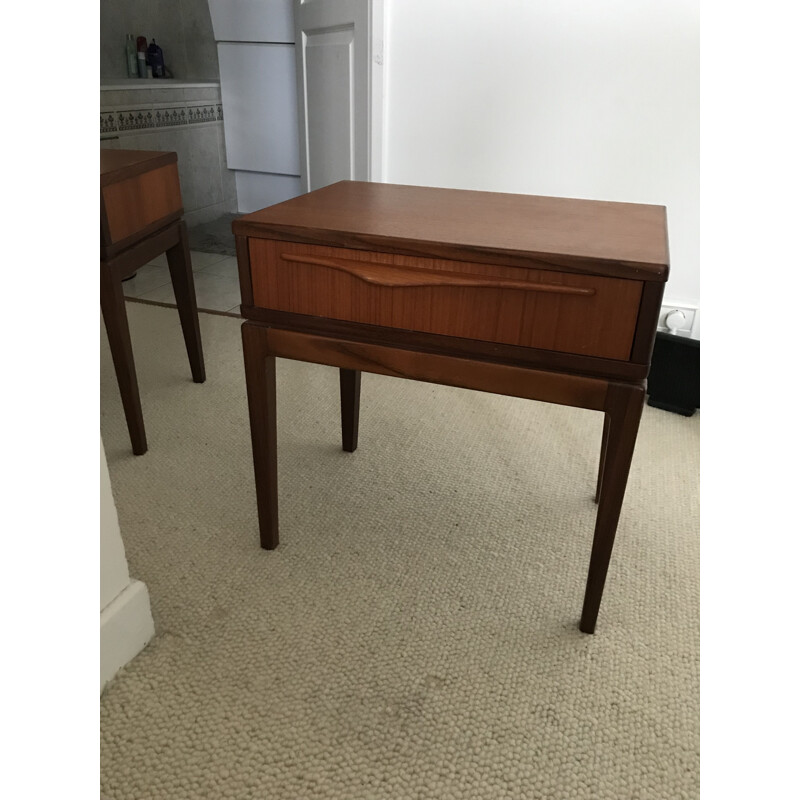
[(186, 120), (201, 48), (182, 28)]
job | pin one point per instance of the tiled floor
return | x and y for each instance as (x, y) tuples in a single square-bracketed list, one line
[(216, 282)]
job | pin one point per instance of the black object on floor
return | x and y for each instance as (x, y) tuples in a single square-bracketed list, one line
[(674, 380), (215, 236)]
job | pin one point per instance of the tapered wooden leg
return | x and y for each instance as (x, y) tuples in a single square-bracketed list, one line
[(350, 394), (112, 303), (623, 412), (180, 270), (259, 369), (603, 448)]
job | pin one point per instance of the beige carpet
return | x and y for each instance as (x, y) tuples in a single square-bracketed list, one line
[(415, 634)]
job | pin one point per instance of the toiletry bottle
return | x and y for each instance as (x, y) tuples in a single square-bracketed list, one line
[(130, 55), (155, 58), (141, 55)]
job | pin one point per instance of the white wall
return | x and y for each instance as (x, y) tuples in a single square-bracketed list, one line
[(126, 624), (576, 98)]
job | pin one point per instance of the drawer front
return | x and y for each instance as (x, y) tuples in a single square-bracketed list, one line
[(550, 310), (137, 204)]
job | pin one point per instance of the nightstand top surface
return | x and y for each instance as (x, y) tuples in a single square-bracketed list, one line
[(629, 238), (117, 165)]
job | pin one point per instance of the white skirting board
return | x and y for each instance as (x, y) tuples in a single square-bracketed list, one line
[(126, 626)]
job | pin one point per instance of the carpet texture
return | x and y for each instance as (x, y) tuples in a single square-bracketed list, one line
[(415, 634)]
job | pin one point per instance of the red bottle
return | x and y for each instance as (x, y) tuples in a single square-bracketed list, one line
[(141, 54)]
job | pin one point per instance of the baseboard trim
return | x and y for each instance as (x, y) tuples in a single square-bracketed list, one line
[(126, 626)]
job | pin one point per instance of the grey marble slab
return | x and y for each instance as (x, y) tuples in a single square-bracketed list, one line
[(201, 49), (110, 98), (228, 175), (198, 164), (201, 216), (170, 36), (173, 94), (202, 94), (130, 98)]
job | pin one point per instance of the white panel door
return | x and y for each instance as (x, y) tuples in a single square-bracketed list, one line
[(259, 98), (339, 47)]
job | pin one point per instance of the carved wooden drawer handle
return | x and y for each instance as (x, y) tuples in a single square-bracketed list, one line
[(392, 276)]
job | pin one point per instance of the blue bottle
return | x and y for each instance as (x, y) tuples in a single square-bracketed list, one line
[(155, 59)]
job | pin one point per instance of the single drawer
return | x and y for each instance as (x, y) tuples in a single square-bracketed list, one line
[(566, 312), (138, 205)]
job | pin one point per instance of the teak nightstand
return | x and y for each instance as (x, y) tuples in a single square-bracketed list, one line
[(545, 298), (141, 217)]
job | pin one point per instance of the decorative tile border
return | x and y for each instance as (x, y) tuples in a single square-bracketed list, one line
[(134, 120), (167, 117), (201, 114), (114, 120), (108, 122)]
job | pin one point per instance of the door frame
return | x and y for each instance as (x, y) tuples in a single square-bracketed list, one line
[(375, 93), (376, 89)]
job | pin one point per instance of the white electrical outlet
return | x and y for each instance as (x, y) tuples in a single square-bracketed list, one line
[(677, 319)]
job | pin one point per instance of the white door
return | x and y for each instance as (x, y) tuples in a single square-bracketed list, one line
[(339, 53)]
